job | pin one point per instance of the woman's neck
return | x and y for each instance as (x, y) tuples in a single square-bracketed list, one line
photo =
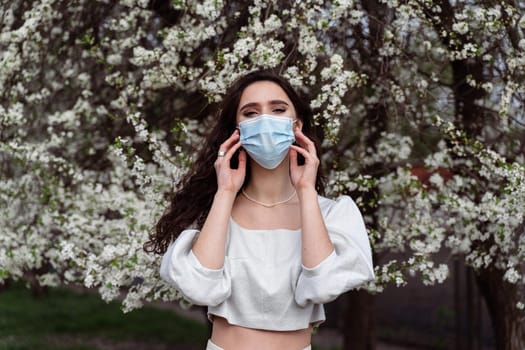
[(270, 186)]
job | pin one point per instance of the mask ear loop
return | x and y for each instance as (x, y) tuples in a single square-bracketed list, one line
[(294, 123)]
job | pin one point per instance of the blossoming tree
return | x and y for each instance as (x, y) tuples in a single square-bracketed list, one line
[(103, 103)]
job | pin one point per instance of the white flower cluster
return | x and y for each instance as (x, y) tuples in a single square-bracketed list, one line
[(209, 9), (336, 83), (426, 215), (391, 148)]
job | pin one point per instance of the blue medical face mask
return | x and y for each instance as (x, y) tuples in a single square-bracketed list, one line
[(267, 139)]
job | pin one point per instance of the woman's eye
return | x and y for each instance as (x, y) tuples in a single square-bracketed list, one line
[(279, 110), (250, 113)]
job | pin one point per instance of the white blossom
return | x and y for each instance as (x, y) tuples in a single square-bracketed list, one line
[(460, 27)]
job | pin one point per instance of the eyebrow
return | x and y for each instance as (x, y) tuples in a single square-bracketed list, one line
[(272, 102)]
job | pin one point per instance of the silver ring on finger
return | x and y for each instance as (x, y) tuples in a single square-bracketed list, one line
[(221, 153)]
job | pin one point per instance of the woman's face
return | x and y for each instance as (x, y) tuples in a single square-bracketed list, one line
[(265, 97)]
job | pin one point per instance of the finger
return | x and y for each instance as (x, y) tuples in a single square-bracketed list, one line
[(242, 161), (302, 151), (228, 155), (304, 141), (293, 160), (309, 158), (232, 150), (242, 158), (293, 156), (225, 146)]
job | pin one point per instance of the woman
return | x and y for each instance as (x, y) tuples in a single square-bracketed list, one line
[(267, 250)]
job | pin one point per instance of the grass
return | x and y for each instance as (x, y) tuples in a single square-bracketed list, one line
[(68, 320)]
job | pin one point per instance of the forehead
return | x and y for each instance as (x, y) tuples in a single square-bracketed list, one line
[(262, 91)]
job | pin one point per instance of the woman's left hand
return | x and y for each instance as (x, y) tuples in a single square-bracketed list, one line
[(303, 176)]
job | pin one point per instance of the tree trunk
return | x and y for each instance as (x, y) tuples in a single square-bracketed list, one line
[(357, 320), (508, 321)]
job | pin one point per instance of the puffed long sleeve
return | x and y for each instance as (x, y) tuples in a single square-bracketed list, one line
[(348, 266), (198, 284)]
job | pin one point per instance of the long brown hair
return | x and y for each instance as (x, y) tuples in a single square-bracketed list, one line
[(191, 203)]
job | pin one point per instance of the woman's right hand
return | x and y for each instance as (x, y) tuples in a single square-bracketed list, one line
[(229, 179)]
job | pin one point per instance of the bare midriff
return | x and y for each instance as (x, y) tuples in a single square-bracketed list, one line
[(232, 337)]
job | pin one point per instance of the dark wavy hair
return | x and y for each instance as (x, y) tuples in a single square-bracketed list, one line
[(191, 203)]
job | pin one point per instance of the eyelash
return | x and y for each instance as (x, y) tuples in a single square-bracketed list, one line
[(250, 113)]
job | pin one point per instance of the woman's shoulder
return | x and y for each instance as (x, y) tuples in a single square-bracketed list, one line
[(341, 206), (340, 201)]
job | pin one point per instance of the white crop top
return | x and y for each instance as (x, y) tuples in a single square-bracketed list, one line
[(263, 283)]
